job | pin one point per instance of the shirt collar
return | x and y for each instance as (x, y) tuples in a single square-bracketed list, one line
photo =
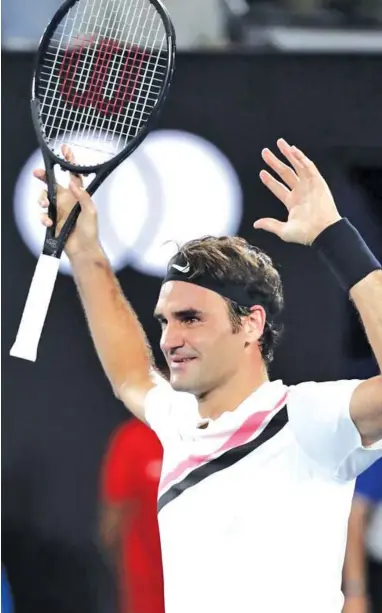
[(264, 398)]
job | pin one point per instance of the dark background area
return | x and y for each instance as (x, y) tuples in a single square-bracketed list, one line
[(59, 412)]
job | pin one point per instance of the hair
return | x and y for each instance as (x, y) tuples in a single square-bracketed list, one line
[(233, 259)]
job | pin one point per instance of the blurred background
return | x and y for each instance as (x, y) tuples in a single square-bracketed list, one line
[(247, 73)]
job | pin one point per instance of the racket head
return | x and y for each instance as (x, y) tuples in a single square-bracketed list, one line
[(132, 64)]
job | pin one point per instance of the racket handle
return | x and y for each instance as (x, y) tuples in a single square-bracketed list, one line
[(36, 308)]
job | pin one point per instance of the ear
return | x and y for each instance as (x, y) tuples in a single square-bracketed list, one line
[(254, 324)]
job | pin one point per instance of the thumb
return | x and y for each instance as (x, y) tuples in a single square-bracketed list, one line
[(69, 157), (82, 196), (270, 225)]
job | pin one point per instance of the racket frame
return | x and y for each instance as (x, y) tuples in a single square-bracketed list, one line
[(54, 245)]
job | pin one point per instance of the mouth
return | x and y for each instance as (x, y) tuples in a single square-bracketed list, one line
[(180, 363)]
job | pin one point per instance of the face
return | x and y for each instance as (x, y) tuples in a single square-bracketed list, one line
[(198, 342)]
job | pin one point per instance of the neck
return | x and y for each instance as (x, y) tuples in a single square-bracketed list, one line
[(229, 395)]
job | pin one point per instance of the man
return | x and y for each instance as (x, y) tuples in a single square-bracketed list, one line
[(362, 576), (257, 478), (129, 523)]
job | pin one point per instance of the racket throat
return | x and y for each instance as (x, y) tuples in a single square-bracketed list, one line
[(51, 247), (51, 243)]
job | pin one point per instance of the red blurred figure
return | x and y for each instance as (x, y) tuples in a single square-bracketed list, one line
[(129, 524)]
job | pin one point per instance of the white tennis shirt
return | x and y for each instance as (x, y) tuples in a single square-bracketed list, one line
[(253, 509)]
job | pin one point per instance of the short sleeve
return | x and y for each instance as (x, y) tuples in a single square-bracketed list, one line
[(167, 412), (319, 416), (119, 471)]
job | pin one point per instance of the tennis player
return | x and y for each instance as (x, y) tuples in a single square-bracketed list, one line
[(258, 477)]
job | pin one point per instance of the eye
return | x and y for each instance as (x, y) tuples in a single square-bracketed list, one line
[(191, 319)]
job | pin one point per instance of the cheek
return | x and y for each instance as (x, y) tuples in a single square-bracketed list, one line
[(216, 341), (161, 342), (236, 345), (228, 346)]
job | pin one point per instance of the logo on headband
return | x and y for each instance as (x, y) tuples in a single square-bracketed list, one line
[(183, 269)]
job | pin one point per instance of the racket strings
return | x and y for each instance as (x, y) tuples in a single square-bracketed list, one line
[(102, 73)]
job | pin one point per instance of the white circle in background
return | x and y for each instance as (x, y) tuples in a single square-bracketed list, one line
[(200, 194), (177, 186)]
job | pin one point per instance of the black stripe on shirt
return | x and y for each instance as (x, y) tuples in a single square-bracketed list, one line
[(229, 458)]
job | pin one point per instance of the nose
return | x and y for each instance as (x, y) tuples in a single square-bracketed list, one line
[(172, 337)]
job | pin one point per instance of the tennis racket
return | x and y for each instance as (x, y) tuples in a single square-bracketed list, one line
[(103, 70)]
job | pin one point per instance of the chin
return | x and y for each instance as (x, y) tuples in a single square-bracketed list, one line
[(177, 385), (180, 385)]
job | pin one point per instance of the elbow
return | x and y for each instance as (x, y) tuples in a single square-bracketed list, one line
[(117, 392)]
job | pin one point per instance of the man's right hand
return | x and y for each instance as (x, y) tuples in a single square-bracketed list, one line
[(84, 236)]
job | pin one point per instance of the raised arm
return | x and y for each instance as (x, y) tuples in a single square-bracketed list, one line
[(314, 220), (366, 402), (118, 336)]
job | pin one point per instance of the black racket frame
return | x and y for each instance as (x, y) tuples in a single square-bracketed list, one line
[(54, 245)]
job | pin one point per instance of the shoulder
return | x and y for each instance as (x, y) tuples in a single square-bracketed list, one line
[(322, 405), (315, 392), (167, 411), (319, 417), (323, 401)]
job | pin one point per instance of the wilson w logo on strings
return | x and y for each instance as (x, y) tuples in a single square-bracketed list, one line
[(103, 75)]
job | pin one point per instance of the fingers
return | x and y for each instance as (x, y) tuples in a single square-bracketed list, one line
[(69, 157), (44, 204), (277, 188), (68, 154), (46, 220), (303, 166), (82, 196), (307, 168), (270, 225), (43, 199), (40, 174), (284, 171)]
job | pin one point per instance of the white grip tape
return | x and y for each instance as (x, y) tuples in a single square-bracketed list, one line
[(36, 308)]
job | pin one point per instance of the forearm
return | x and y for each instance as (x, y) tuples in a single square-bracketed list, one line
[(354, 572), (359, 273), (119, 339), (367, 297), (354, 576)]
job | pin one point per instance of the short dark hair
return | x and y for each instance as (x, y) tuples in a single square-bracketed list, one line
[(232, 258)]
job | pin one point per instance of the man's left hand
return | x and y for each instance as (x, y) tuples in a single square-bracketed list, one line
[(304, 192)]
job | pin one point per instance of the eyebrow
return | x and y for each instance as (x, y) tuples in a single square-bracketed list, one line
[(183, 314)]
